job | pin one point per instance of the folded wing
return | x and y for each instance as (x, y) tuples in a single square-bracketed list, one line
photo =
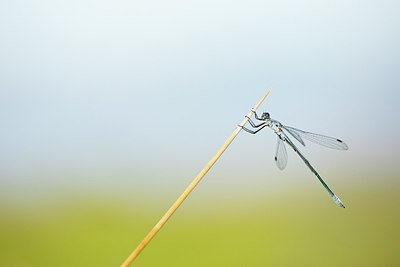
[(281, 155)]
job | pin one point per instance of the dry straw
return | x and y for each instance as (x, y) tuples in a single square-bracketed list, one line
[(190, 188)]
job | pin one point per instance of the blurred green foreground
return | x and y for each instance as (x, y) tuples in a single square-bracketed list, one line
[(102, 231)]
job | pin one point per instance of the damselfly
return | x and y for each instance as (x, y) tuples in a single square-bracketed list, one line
[(299, 135)]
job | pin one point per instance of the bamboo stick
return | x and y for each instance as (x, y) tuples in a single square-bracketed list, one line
[(190, 188)]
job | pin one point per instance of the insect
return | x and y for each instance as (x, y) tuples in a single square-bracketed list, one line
[(281, 154)]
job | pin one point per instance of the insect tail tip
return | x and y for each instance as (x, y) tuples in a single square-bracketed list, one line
[(338, 201)]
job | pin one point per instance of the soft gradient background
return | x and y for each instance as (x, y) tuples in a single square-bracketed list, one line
[(108, 109)]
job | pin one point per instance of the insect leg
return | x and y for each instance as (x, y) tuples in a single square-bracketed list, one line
[(251, 131)]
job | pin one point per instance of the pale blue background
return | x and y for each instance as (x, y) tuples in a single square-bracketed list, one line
[(102, 96)]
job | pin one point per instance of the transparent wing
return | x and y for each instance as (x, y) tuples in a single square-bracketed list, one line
[(281, 155), (294, 134), (323, 140)]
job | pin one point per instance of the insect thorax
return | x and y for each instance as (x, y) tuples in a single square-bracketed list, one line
[(276, 126)]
